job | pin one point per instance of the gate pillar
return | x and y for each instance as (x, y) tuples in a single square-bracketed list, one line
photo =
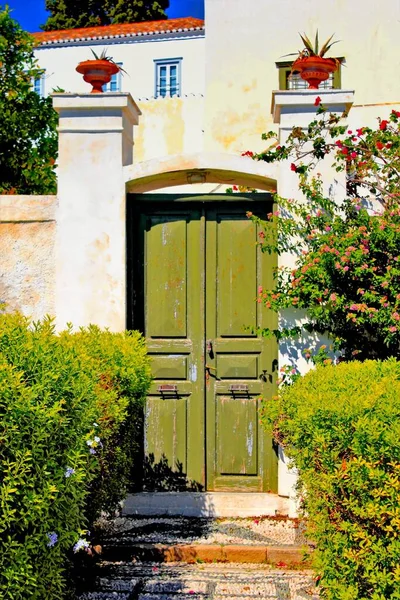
[(296, 108), (95, 143)]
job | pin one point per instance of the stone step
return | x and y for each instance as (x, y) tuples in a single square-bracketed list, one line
[(272, 531), (206, 504), (169, 539), (190, 553), (149, 581)]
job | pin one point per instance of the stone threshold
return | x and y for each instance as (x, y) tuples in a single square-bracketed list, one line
[(292, 556), (206, 504)]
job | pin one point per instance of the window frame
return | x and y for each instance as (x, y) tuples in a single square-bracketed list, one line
[(168, 62), (117, 78), (285, 68), (40, 82)]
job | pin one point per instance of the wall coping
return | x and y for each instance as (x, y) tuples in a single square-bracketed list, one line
[(26, 208)]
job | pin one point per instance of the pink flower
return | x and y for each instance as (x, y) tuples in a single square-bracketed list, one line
[(260, 289), (333, 297), (293, 167), (346, 268), (393, 328), (327, 228), (317, 101), (383, 125)]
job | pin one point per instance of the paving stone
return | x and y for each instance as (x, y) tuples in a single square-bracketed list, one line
[(246, 589), (173, 597), (171, 586), (104, 596), (118, 585)]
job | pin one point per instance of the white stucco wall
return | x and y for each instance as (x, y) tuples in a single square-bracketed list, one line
[(137, 57)]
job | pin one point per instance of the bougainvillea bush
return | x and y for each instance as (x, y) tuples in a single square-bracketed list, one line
[(341, 427), (68, 427), (347, 274)]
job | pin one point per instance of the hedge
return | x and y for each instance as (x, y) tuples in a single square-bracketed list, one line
[(70, 420), (341, 427)]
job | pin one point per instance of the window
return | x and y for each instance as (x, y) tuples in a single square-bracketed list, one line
[(38, 85), (115, 83), (168, 77), (293, 81)]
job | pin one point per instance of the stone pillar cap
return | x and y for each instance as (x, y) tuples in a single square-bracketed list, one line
[(108, 100), (292, 101)]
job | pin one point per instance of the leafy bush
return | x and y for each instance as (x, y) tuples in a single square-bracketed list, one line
[(347, 271), (69, 408), (341, 427)]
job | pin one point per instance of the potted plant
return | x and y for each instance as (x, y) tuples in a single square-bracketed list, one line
[(312, 65), (98, 72)]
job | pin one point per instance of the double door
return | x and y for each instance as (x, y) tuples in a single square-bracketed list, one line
[(194, 289)]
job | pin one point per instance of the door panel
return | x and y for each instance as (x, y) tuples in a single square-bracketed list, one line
[(236, 274), (166, 261), (239, 454), (200, 271), (173, 267)]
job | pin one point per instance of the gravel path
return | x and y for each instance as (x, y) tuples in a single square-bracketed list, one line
[(150, 581), (269, 531)]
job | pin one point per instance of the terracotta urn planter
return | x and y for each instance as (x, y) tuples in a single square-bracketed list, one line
[(97, 73), (315, 69)]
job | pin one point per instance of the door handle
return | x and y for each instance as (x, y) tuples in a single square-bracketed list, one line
[(207, 369)]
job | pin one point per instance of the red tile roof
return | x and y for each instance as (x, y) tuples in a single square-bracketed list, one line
[(123, 30)]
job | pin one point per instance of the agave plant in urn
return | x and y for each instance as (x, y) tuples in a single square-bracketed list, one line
[(312, 64), (98, 71)]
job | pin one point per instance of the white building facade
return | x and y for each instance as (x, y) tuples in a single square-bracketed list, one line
[(142, 172)]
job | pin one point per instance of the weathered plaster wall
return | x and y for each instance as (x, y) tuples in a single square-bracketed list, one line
[(169, 126), (250, 37), (27, 263)]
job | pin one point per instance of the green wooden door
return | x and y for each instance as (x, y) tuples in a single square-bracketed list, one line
[(194, 290)]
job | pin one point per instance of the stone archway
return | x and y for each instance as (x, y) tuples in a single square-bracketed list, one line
[(203, 167)]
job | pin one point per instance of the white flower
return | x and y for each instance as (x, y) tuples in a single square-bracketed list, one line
[(81, 544)]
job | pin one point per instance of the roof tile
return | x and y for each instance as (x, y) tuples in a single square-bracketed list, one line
[(124, 29)]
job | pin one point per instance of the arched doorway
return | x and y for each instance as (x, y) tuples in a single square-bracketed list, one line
[(194, 269)]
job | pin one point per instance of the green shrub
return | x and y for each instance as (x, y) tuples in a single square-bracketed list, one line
[(341, 426), (69, 421)]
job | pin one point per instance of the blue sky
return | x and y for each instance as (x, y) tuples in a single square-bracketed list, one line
[(31, 13)]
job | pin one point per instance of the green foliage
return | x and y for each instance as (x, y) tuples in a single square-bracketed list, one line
[(69, 14), (341, 427), (70, 409), (28, 135), (347, 274), (313, 49)]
